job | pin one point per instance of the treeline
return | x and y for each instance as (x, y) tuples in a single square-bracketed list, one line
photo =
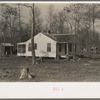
[(76, 19), (13, 28), (79, 19)]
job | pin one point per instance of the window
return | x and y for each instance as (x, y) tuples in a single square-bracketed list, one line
[(35, 45), (29, 46), (59, 47), (48, 47), (21, 48)]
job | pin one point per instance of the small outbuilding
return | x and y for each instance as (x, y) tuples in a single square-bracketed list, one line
[(47, 45), (5, 48)]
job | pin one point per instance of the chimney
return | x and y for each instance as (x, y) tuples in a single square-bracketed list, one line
[(49, 32)]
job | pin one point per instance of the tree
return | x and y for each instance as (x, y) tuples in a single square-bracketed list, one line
[(19, 23), (83, 17), (32, 37), (32, 32), (38, 20), (11, 18), (50, 18)]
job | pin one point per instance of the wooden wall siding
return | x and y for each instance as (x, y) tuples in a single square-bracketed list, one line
[(41, 51)]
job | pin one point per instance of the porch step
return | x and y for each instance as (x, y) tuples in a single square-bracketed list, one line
[(63, 56)]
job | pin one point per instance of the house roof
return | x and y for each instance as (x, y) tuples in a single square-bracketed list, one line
[(63, 38), (66, 38), (7, 44), (50, 36), (22, 43)]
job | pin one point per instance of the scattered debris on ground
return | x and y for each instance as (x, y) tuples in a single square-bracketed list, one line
[(50, 70)]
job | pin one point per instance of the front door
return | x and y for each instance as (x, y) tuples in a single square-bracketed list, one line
[(70, 48)]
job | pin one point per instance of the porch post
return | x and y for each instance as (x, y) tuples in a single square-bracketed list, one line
[(67, 55), (57, 54), (74, 49), (67, 48)]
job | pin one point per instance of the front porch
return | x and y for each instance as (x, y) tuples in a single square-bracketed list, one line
[(64, 49)]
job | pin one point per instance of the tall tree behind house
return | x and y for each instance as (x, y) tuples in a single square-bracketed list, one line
[(11, 17), (19, 22), (83, 20), (56, 21), (50, 18)]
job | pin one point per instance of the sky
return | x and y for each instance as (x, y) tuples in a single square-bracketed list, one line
[(43, 8)]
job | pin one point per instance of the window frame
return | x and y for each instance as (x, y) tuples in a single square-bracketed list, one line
[(29, 46), (48, 47), (21, 48)]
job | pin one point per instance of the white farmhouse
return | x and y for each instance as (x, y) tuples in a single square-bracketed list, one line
[(47, 45)]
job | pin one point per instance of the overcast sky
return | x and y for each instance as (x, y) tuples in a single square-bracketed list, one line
[(43, 7)]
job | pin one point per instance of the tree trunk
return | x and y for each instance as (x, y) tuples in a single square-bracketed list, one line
[(4, 48), (19, 24), (93, 21), (25, 73), (10, 37), (32, 37)]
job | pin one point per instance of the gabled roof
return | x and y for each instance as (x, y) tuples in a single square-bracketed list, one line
[(22, 43), (60, 38), (50, 36), (46, 34), (63, 38)]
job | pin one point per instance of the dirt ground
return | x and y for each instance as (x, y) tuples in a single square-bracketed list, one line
[(50, 70)]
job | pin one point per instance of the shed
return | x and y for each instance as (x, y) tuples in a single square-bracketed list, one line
[(5, 48)]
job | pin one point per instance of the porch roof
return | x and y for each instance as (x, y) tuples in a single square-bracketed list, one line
[(7, 44), (65, 38), (21, 43)]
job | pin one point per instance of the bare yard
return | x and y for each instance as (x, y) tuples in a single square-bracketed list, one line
[(50, 70)]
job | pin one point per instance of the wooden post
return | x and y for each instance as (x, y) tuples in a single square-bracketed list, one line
[(57, 53), (32, 37), (74, 49), (67, 55), (10, 37), (67, 48)]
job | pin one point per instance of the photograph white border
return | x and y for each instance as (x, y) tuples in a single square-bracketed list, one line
[(46, 90)]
